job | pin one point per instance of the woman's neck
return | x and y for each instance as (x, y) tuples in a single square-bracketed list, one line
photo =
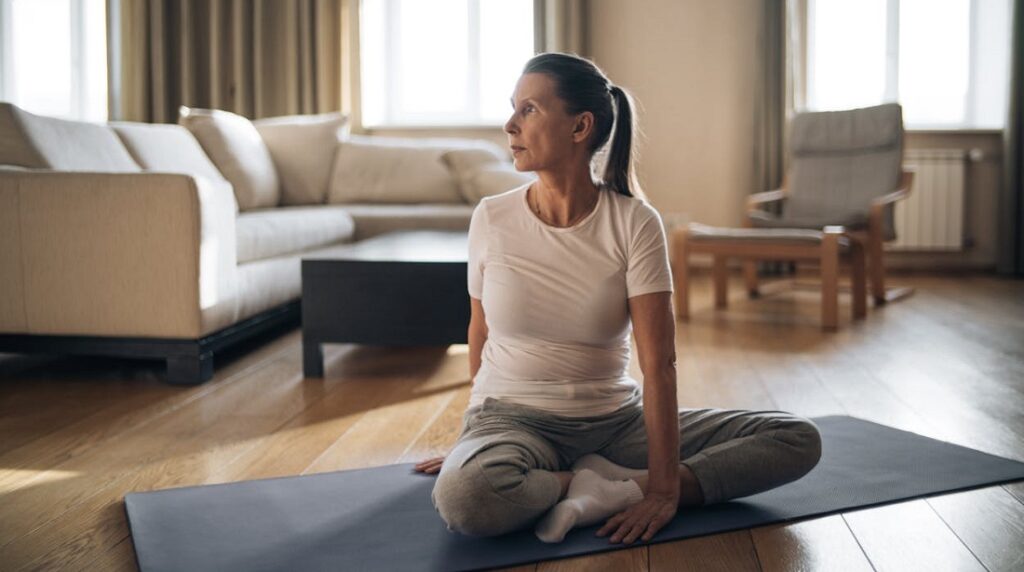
[(563, 198)]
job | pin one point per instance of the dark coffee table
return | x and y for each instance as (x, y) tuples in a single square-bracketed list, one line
[(396, 289)]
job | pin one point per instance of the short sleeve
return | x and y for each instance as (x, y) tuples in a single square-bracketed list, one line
[(648, 268), (478, 231)]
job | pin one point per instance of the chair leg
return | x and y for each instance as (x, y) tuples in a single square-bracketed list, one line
[(720, 276), (859, 279), (830, 281), (877, 270), (681, 274), (750, 277)]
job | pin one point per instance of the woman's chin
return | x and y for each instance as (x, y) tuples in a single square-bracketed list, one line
[(521, 166)]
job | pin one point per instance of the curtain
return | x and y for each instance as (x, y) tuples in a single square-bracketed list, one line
[(772, 95), (1011, 200), (560, 26), (257, 58)]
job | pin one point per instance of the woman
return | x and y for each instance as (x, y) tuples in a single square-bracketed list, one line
[(557, 434)]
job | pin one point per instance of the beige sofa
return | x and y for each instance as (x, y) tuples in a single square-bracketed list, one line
[(173, 241)]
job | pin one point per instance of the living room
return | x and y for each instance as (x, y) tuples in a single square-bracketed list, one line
[(235, 330)]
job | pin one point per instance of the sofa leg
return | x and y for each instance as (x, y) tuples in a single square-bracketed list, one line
[(190, 370), (312, 358)]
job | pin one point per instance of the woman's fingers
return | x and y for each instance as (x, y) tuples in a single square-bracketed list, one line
[(611, 524), (429, 465)]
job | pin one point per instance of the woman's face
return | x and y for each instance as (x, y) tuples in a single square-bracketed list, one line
[(541, 134)]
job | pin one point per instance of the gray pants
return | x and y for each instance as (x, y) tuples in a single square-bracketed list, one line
[(499, 477)]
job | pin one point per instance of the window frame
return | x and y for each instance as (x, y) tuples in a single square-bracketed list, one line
[(393, 117), (892, 51), (78, 36)]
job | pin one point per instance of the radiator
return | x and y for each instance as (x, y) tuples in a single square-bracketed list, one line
[(932, 217)]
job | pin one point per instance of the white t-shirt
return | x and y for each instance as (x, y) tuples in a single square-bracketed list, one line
[(555, 300)]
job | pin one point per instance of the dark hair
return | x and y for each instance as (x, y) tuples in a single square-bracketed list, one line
[(584, 87)]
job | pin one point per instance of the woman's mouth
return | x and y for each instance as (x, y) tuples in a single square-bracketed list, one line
[(517, 149)]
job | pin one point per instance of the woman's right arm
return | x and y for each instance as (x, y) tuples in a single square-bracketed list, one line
[(477, 336)]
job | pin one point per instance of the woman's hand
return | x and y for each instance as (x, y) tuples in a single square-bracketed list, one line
[(429, 466), (644, 518)]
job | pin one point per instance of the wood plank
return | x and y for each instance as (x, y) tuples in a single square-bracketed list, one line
[(817, 544), (634, 559), (269, 395), (728, 552), (1015, 489), (137, 407), (990, 522), (909, 536)]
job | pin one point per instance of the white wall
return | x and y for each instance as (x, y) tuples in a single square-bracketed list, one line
[(691, 64)]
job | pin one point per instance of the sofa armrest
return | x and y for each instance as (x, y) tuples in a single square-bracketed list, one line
[(115, 254)]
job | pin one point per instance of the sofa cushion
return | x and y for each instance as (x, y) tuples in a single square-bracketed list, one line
[(235, 147), (40, 142), (483, 172), (285, 230), (374, 219), (303, 149), (167, 149), (371, 169)]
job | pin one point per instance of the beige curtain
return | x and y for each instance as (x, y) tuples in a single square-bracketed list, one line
[(1011, 199), (560, 26), (257, 58), (770, 97)]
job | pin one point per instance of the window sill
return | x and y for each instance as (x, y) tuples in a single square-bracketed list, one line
[(954, 131), (420, 127)]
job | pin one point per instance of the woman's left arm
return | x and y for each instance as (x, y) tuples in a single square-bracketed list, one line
[(655, 332), (654, 329)]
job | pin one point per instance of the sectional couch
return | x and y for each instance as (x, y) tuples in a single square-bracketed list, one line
[(174, 241)]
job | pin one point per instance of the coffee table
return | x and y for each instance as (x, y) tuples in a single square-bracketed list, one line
[(398, 289)]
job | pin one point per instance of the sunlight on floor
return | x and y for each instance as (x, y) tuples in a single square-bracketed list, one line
[(14, 479)]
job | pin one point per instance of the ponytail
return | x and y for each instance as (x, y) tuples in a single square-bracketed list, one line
[(620, 168)]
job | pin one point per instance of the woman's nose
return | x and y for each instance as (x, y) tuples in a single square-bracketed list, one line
[(510, 125)]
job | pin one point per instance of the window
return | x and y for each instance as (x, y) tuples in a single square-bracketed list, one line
[(945, 61), (53, 57), (442, 62)]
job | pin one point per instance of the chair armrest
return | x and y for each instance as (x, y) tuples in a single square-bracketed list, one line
[(901, 192), (876, 214), (115, 254), (757, 199)]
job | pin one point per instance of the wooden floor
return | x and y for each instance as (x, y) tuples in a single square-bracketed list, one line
[(76, 434)]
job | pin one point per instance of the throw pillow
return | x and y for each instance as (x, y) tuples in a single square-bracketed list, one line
[(483, 173), (370, 169), (42, 142), (303, 149), (237, 150)]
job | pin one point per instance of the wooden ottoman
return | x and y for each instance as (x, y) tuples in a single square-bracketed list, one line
[(830, 247)]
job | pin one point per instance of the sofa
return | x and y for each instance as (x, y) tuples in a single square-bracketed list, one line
[(176, 241)]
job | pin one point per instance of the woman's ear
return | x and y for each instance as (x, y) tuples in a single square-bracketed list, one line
[(583, 127)]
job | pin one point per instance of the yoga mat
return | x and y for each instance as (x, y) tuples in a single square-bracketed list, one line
[(382, 518)]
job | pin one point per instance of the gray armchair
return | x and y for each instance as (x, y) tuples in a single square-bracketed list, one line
[(845, 170)]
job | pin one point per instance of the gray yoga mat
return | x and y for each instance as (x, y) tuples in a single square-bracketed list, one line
[(382, 518)]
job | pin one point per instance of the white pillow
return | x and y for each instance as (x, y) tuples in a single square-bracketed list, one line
[(235, 147), (42, 142), (483, 173), (303, 149), (369, 169), (167, 149)]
